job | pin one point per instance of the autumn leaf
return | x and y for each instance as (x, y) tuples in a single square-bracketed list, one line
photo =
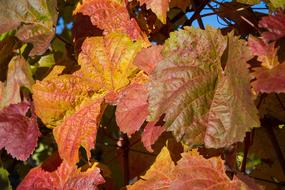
[(182, 4), (19, 75), (79, 129), (103, 12), (203, 102), (151, 133), (132, 108), (65, 177), (159, 7), (148, 58), (34, 21), (108, 60), (275, 24), (18, 132), (192, 172)]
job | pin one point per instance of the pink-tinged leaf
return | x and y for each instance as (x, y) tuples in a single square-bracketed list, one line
[(192, 172), (19, 75), (132, 108), (159, 7), (64, 178), (267, 53), (18, 133), (79, 129), (270, 80), (150, 134), (205, 96), (34, 21), (103, 12), (275, 24), (148, 58)]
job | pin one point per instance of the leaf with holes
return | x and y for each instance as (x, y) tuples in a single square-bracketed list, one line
[(202, 85)]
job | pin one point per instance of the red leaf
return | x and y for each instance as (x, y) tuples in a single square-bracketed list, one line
[(110, 15), (64, 178), (148, 58), (275, 25), (150, 134), (132, 108), (77, 130), (18, 133)]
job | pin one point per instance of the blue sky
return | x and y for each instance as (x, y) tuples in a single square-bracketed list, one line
[(212, 20)]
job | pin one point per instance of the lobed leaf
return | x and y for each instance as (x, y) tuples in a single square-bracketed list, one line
[(18, 133), (192, 172), (203, 102), (65, 177)]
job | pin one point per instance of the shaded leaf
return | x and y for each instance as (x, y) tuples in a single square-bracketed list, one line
[(108, 61), (19, 75), (103, 12), (65, 177), (182, 4), (79, 129), (159, 7), (34, 21), (203, 103), (18, 133), (148, 58), (192, 172), (151, 133), (4, 179)]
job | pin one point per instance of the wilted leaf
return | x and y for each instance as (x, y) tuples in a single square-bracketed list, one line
[(192, 172), (159, 7), (34, 21), (79, 129), (18, 133), (19, 75), (275, 24), (203, 103), (132, 108), (4, 179), (150, 134), (148, 58), (65, 177), (110, 16), (108, 61)]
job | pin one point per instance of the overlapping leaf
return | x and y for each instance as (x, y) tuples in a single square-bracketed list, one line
[(110, 16), (151, 133), (18, 133), (19, 75), (79, 129), (192, 172), (203, 102), (34, 21), (65, 177)]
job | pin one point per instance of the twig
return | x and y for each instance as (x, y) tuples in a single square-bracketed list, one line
[(125, 147), (247, 144), (197, 12)]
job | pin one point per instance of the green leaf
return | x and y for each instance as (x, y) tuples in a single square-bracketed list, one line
[(4, 180), (202, 102)]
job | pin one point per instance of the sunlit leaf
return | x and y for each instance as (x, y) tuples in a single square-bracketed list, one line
[(79, 129), (203, 102), (19, 75), (110, 15), (35, 21), (65, 177), (18, 132), (192, 172)]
